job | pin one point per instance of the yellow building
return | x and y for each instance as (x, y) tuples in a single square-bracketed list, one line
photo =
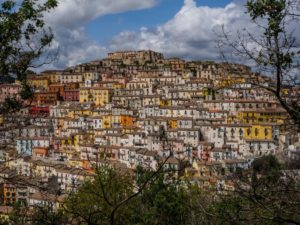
[(101, 96), (60, 124), (106, 121), (53, 78), (231, 119), (97, 95), (83, 112), (258, 132), (277, 116), (229, 81), (96, 113), (72, 141), (85, 95), (90, 76), (173, 124), (118, 86), (39, 82), (116, 119), (52, 75), (75, 162), (164, 102), (208, 92), (75, 113)]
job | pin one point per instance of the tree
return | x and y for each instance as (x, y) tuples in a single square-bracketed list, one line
[(23, 40), (115, 197), (163, 201), (95, 200), (275, 52), (264, 195), (36, 215)]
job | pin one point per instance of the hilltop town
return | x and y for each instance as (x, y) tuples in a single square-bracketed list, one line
[(138, 108)]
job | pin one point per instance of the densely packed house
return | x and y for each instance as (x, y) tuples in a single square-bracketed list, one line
[(136, 108)]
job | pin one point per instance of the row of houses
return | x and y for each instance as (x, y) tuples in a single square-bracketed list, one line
[(139, 109)]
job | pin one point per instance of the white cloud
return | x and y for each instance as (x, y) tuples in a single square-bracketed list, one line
[(75, 47), (191, 33), (68, 20), (73, 13)]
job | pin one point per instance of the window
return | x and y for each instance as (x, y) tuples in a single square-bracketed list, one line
[(266, 132), (259, 146), (219, 132), (256, 132), (241, 132), (248, 131)]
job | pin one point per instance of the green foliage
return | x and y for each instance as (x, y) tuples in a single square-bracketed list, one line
[(111, 198), (265, 164), (274, 50), (26, 91), (10, 104), (43, 214), (23, 37), (162, 202), (265, 196), (274, 11), (23, 40), (165, 201), (47, 216), (17, 216), (96, 200)]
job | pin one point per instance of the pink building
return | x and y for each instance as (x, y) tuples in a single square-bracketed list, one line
[(105, 76), (71, 95), (120, 80), (205, 151), (9, 90)]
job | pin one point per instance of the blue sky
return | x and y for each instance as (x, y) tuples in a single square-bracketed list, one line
[(163, 11), (88, 29)]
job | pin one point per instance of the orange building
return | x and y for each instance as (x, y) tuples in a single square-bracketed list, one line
[(71, 86), (46, 98), (58, 88), (40, 152), (9, 194), (127, 121), (86, 165)]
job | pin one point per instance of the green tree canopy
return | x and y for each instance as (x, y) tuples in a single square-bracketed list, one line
[(24, 39), (275, 52)]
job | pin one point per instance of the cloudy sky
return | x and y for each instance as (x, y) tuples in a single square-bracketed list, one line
[(88, 29)]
